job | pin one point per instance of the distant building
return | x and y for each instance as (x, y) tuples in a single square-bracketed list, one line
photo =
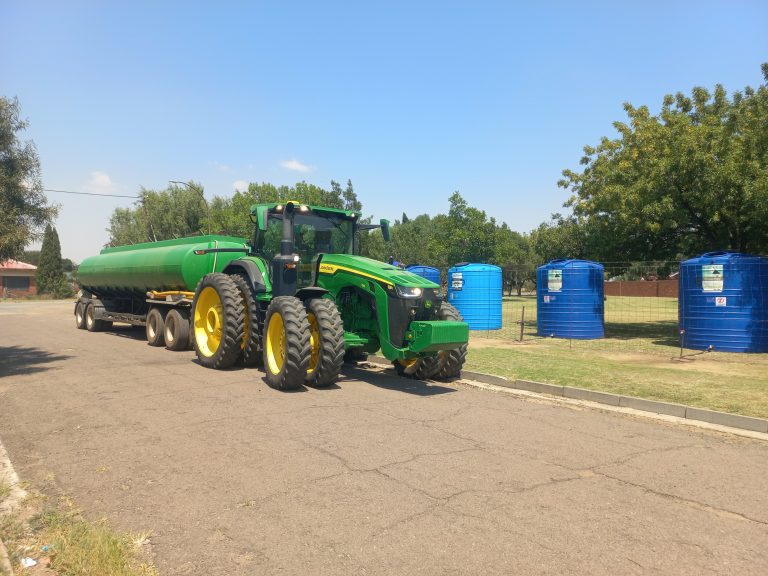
[(17, 279)]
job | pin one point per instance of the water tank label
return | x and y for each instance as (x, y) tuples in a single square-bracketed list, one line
[(712, 278), (457, 281), (554, 280), (720, 301)]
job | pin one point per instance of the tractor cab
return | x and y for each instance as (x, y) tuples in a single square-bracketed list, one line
[(292, 237)]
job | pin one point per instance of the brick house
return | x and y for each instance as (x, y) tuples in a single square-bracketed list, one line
[(17, 279)]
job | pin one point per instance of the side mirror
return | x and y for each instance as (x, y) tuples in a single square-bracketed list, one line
[(385, 229)]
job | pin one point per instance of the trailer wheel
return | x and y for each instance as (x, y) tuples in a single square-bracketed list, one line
[(286, 343), (326, 342), (252, 354), (155, 327), (176, 331), (218, 321), (80, 316), (450, 361), (91, 323)]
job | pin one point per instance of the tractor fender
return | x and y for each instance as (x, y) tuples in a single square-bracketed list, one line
[(310, 293), (250, 270)]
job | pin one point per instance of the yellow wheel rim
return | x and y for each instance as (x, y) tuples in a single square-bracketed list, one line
[(409, 362), (209, 318), (314, 343), (275, 344)]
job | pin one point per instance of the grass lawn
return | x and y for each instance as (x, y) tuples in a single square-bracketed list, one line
[(736, 383)]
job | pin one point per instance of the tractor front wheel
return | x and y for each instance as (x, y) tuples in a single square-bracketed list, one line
[(416, 368), (218, 321), (326, 342), (450, 361), (286, 343)]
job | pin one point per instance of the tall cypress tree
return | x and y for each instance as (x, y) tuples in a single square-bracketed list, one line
[(50, 271)]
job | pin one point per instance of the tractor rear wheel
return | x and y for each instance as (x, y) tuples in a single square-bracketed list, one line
[(218, 321), (286, 343), (252, 354), (326, 342), (176, 331), (450, 361)]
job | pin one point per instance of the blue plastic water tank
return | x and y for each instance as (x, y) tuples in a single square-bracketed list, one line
[(723, 302), (569, 299), (431, 274), (475, 290)]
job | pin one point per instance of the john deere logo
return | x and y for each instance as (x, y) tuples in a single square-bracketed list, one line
[(327, 268)]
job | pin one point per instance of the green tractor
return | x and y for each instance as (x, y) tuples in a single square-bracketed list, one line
[(300, 303)]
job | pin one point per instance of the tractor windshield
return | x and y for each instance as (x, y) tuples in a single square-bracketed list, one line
[(313, 234)]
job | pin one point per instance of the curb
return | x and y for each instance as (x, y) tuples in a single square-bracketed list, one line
[(654, 406)]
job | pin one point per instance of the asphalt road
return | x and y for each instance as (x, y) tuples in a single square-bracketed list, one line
[(377, 475)]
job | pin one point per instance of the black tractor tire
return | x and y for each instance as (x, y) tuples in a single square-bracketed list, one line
[(326, 344), (422, 369), (155, 327), (450, 361), (176, 331), (355, 355), (286, 343), (91, 323), (218, 321), (80, 316), (252, 354)]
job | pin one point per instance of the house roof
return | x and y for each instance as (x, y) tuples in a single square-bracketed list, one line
[(16, 265)]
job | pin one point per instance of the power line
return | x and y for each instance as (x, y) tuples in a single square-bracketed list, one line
[(89, 193)]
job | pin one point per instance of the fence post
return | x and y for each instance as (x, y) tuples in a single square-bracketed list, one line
[(522, 323)]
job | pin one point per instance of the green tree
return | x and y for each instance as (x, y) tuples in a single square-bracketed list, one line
[(512, 252), (24, 209), (175, 212), (465, 234), (562, 237), (50, 277), (692, 178)]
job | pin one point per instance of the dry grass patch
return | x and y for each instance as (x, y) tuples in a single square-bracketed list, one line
[(58, 536)]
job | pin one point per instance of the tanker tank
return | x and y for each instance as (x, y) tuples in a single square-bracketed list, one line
[(132, 271)]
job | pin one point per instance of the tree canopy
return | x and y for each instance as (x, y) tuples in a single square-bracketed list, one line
[(24, 209), (692, 178), (180, 210)]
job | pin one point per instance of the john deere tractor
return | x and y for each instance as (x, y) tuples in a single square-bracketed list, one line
[(310, 302), (295, 299)]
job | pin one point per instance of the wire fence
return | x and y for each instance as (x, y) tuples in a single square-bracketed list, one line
[(636, 310)]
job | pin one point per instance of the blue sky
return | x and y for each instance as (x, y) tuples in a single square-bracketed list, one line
[(409, 100)]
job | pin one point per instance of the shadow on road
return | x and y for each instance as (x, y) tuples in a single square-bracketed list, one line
[(127, 331), (22, 360), (393, 382)]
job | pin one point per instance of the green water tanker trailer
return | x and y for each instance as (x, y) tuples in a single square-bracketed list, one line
[(295, 299)]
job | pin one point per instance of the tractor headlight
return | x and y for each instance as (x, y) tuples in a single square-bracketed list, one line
[(408, 292)]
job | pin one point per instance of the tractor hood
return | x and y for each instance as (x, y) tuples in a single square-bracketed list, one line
[(373, 269)]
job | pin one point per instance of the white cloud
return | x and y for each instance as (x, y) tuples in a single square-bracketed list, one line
[(100, 183), (240, 185), (296, 166), (221, 167)]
